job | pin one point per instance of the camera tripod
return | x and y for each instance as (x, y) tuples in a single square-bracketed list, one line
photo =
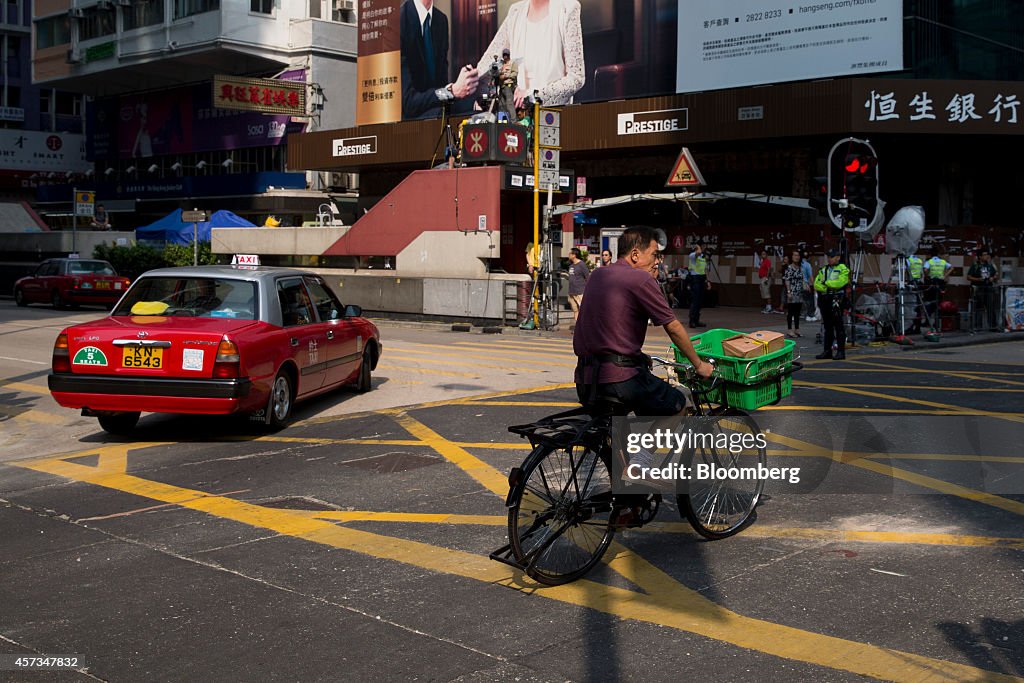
[(446, 134)]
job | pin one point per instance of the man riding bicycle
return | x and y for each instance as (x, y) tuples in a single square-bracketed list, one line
[(612, 327)]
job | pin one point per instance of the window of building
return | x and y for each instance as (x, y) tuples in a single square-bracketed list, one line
[(314, 9), (261, 6), (186, 8), (68, 104), (95, 24), (12, 56), (13, 96), (52, 32), (143, 13)]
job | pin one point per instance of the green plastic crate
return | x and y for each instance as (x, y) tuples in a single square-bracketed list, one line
[(756, 391)]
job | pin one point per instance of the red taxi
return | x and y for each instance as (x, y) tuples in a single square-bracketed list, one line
[(214, 340), (69, 282)]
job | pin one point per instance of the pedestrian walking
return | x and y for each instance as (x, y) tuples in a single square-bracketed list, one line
[(764, 274), (808, 271), (578, 274), (983, 277), (795, 287), (831, 287), (698, 283)]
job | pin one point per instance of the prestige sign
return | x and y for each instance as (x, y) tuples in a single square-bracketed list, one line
[(350, 147), (661, 121)]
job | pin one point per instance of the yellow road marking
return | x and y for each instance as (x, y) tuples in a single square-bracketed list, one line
[(489, 356), (910, 371), (884, 411), (483, 473), (1012, 417), (755, 531), (920, 387), (535, 404), (450, 361), (665, 602), (26, 387), (426, 371), (950, 373), (924, 358), (508, 352), (31, 415)]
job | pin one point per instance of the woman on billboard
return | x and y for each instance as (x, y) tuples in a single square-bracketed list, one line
[(545, 39)]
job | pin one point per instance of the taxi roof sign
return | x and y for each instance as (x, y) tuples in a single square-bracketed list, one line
[(685, 172)]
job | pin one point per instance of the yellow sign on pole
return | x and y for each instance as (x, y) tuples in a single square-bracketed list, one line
[(85, 203)]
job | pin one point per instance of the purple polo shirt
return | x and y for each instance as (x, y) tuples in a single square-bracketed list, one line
[(613, 318)]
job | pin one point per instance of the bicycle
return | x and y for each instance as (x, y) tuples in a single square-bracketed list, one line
[(562, 511)]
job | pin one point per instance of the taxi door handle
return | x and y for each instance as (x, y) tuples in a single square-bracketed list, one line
[(295, 341), (330, 334)]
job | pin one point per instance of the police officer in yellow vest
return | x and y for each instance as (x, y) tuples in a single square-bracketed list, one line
[(698, 283), (936, 271), (915, 278), (830, 284)]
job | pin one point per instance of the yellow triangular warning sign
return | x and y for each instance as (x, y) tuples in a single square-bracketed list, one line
[(685, 172)]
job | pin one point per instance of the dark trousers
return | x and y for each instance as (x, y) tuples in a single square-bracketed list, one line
[(698, 283), (987, 298), (932, 299), (832, 319), (793, 315)]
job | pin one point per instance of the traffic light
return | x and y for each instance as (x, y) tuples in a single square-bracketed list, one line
[(819, 195), (860, 182)]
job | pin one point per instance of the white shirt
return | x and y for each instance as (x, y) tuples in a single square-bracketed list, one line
[(540, 43), (423, 12)]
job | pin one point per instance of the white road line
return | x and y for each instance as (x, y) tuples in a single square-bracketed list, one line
[(24, 360)]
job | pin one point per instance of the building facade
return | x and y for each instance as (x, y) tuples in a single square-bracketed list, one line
[(162, 135), (935, 85)]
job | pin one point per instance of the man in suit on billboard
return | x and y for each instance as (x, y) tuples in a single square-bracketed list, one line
[(424, 48)]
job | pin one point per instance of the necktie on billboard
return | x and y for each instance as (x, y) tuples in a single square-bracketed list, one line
[(428, 48)]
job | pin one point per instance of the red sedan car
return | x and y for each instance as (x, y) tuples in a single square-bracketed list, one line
[(69, 282), (214, 340)]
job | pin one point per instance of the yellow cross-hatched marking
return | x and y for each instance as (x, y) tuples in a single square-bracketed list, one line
[(928, 359), (948, 373), (26, 387), (536, 404), (453, 361), (907, 371), (32, 415), (483, 473), (664, 601), (426, 371), (480, 356), (505, 351), (1012, 417), (921, 387), (885, 411), (755, 531)]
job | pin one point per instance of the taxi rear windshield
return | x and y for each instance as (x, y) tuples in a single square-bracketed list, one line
[(190, 297), (90, 268)]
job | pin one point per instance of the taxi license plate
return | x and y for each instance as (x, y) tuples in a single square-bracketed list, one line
[(142, 357), (102, 284)]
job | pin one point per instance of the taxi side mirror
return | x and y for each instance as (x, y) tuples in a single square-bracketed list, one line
[(353, 311)]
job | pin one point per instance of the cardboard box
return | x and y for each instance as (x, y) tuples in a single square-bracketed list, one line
[(772, 341), (742, 347)]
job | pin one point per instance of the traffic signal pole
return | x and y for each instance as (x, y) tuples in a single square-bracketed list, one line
[(536, 211)]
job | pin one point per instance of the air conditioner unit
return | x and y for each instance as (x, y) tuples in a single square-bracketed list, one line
[(344, 5), (352, 181), (74, 56), (343, 181), (76, 13)]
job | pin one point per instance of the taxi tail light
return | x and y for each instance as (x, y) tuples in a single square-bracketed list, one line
[(61, 355), (227, 363), (76, 283)]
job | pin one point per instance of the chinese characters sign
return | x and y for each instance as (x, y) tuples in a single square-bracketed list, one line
[(268, 96), (379, 66), (940, 106), (752, 42)]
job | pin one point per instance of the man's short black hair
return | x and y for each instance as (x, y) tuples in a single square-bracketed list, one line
[(576, 252), (637, 237), (983, 251)]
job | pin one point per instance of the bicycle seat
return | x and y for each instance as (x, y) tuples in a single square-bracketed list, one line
[(606, 405)]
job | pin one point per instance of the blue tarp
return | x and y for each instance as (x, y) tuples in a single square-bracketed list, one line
[(171, 229)]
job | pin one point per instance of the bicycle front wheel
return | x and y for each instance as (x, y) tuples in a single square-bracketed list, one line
[(559, 517), (718, 503)]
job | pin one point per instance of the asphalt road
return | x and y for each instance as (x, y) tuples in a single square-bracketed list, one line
[(353, 545)]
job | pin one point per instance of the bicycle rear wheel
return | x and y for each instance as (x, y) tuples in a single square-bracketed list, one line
[(559, 516), (718, 505)]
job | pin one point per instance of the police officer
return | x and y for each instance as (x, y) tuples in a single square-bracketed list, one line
[(698, 283), (915, 276), (936, 271), (830, 284)]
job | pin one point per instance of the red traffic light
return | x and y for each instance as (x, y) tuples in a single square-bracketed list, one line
[(859, 163)]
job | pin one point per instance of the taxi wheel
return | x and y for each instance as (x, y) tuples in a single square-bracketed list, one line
[(119, 423), (19, 297), (57, 300), (279, 406), (365, 381)]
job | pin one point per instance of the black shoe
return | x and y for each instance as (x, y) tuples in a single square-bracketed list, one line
[(825, 355), (698, 325), (841, 355)]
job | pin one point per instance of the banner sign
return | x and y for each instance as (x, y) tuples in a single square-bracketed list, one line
[(181, 121), (265, 95), (34, 151), (750, 42)]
